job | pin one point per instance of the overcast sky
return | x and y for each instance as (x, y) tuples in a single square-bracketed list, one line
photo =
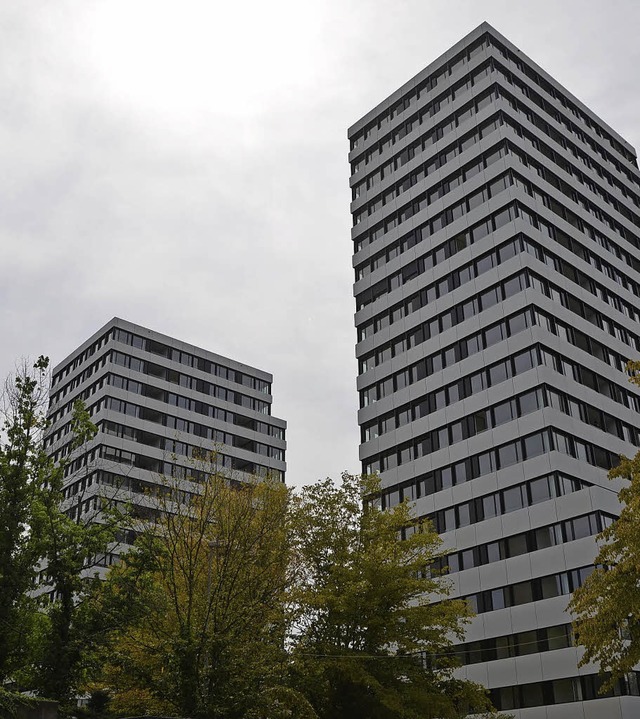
[(183, 165)]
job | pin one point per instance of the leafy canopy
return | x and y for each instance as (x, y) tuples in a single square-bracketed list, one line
[(372, 628), (194, 611), (607, 606)]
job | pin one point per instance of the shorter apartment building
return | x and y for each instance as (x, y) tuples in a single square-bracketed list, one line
[(160, 405)]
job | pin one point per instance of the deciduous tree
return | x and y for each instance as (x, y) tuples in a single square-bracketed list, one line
[(607, 606), (23, 470), (71, 545), (197, 605), (373, 628)]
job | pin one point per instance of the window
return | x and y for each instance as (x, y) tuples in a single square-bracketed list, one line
[(490, 506), (512, 499), (518, 322), (512, 287), (529, 402), (579, 528), (509, 455), (449, 519), (544, 538), (532, 695), (477, 382), (497, 599), (479, 422), (453, 563), (541, 489), (498, 373), (481, 230), (489, 298), (464, 519), (534, 445), (493, 335), (503, 217), (516, 545), (460, 472), (484, 264), (486, 463), (502, 413), (477, 199), (456, 432), (521, 593), (550, 587), (446, 477), (494, 553), (558, 637), (565, 690)]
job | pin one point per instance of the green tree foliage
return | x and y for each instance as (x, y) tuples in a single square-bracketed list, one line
[(23, 470), (195, 609), (245, 601), (70, 547), (42, 644), (607, 606), (372, 628)]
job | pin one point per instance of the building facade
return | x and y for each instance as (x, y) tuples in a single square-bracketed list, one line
[(496, 229), (160, 406)]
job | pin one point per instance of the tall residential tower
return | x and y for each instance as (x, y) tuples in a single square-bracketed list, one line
[(496, 231), (157, 403)]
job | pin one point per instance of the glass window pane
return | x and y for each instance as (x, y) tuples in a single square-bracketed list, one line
[(456, 432), (460, 472), (512, 499), (529, 402), (493, 335), (544, 537), (558, 637), (490, 506), (580, 527), (540, 489), (479, 422), (518, 322), (534, 445), (512, 287), (446, 477), (565, 690), (532, 695), (464, 515), (528, 643), (509, 455), (486, 463), (550, 587), (499, 373), (467, 559), (522, 593), (494, 552), (503, 647), (523, 362), (516, 545), (502, 413), (497, 599)]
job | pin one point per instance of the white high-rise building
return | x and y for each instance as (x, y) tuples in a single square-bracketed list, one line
[(496, 231)]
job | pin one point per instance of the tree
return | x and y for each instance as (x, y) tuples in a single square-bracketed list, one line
[(607, 606), (195, 609), (40, 648), (371, 625), (23, 470), (70, 547)]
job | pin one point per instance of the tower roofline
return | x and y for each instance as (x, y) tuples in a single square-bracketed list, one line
[(171, 341), (477, 32)]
